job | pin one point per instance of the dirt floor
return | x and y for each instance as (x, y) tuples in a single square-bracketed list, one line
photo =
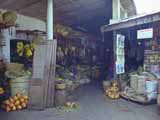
[(93, 106)]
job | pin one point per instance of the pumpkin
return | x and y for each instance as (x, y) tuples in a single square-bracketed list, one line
[(17, 103), (7, 102), (15, 98), (18, 95), (14, 108), (22, 100), (11, 105), (19, 107), (24, 105), (11, 100), (8, 109), (25, 97)]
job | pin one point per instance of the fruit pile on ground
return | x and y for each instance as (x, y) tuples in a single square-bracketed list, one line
[(113, 91), (14, 103)]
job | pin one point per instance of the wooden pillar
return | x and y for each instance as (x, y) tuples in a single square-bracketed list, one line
[(114, 52)]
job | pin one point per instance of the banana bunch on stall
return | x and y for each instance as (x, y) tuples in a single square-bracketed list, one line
[(25, 49), (20, 49), (113, 91), (1, 90)]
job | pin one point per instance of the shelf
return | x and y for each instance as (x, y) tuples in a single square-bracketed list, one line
[(5, 26)]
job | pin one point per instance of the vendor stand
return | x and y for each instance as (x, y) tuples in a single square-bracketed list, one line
[(141, 53)]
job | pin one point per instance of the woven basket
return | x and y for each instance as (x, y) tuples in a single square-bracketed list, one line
[(10, 17), (60, 86), (12, 67)]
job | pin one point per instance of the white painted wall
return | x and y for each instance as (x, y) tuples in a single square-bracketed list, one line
[(30, 23), (118, 11)]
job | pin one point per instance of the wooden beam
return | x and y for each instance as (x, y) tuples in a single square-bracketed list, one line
[(132, 22)]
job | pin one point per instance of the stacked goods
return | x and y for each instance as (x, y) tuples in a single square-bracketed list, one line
[(73, 75), (17, 102), (113, 91), (143, 84), (151, 61)]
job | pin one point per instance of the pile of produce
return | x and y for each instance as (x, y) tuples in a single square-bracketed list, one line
[(73, 75), (68, 107), (14, 103), (71, 104), (113, 91)]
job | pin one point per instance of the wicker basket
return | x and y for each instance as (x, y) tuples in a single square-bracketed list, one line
[(60, 86), (12, 67), (10, 17)]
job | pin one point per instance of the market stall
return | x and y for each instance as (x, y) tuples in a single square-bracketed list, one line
[(136, 64)]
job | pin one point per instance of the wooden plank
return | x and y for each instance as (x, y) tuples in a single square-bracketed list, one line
[(51, 86), (38, 84), (48, 72), (36, 94)]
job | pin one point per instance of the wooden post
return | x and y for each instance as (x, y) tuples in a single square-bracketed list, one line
[(114, 52), (50, 18)]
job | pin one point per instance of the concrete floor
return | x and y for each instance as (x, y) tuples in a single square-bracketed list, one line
[(93, 106)]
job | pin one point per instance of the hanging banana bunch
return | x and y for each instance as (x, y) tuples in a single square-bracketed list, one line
[(20, 48), (28, 51)]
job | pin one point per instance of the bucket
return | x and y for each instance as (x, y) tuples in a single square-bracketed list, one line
[(60, 98), (151, 89), (20, 85)]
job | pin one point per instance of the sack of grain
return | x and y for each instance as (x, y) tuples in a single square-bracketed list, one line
[(134, 82), (10, 17), (141, 89)]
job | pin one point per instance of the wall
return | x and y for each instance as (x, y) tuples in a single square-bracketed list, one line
[(30, 23), (118, 11)]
